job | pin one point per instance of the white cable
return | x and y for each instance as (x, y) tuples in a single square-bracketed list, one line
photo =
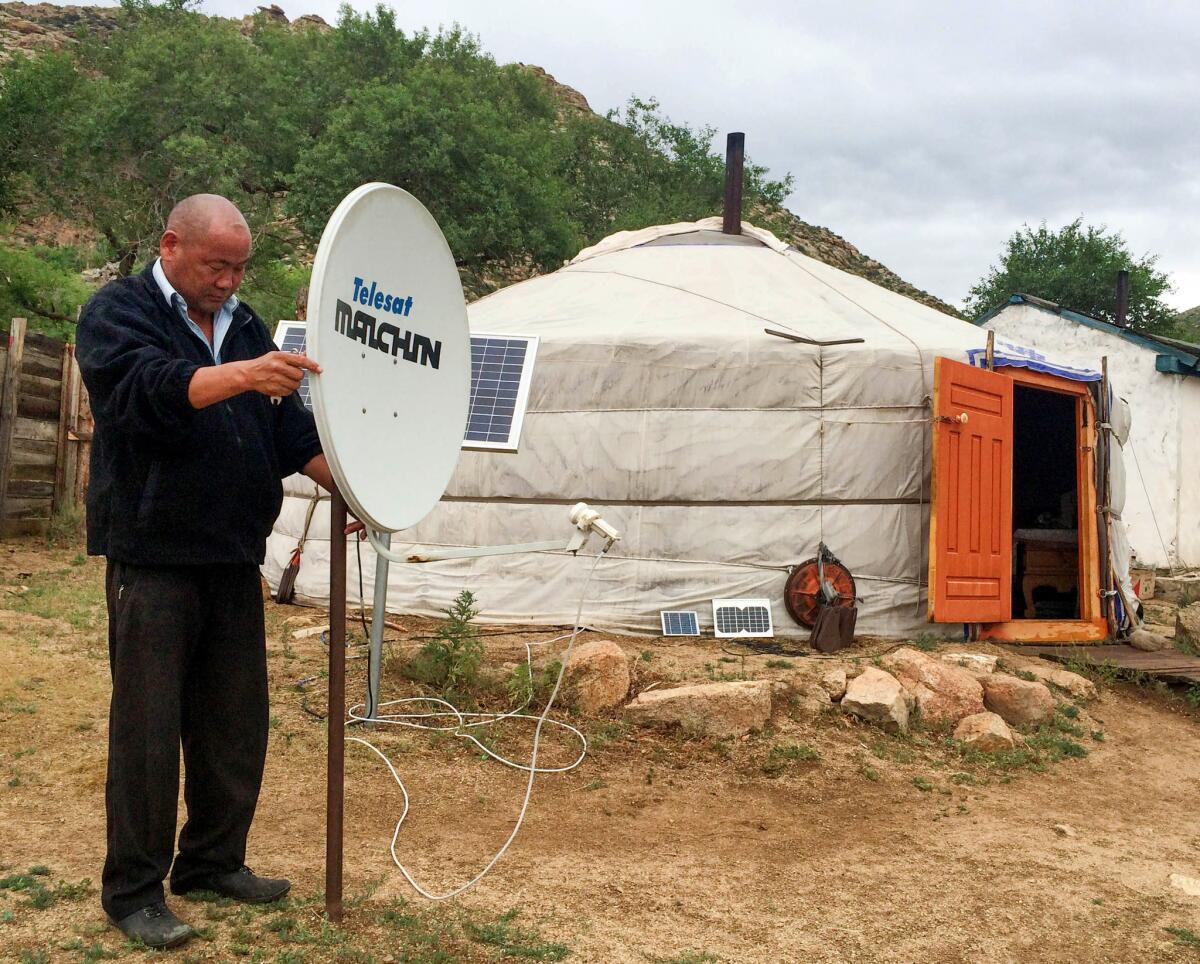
[(482, 719)]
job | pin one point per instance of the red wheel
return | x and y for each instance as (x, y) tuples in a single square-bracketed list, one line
[(802, 594)]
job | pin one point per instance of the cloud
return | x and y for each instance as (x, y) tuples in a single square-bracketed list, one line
[(923, 133)]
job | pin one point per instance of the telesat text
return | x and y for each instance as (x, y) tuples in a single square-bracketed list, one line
[(383, 336)]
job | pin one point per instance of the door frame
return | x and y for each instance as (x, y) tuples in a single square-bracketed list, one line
[(1091, 625)]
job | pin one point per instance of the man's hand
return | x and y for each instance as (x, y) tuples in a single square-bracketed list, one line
[(277, 373)]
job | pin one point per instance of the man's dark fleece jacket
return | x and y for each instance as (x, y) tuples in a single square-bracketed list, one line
[(171, 484)]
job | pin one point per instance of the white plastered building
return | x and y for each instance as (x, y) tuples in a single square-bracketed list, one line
[(1160, 379)]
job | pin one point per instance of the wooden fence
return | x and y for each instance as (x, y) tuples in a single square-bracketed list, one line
[(45, 431)]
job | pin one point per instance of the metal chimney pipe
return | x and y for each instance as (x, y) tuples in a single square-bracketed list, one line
[(735, 149), (1122, 299)]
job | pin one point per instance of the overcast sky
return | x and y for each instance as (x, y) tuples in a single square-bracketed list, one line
[(925, 133)]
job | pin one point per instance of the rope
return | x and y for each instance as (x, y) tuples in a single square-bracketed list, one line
[(1149, 502)]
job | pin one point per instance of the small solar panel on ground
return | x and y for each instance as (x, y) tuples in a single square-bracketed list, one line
[(742, 617), (680, 623)]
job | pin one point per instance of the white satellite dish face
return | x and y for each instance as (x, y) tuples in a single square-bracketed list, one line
[(388, 325)]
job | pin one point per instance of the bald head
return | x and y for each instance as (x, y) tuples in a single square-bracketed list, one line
[(204, 250), (197, 215)]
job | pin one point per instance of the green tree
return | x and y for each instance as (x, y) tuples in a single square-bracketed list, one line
[(1076, 267)]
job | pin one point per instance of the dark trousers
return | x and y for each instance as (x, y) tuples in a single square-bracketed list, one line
[(188, 658)]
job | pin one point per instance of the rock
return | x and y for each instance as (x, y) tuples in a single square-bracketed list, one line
[(711, 709), (1149, 642), (1020, 702), (976, 664), (1187, 627), (833, 682), (1179, 590), (597, 676), (1189, 885), (1064, 830), (944, 693), (984, 731), (1080, 687), (877, 697)]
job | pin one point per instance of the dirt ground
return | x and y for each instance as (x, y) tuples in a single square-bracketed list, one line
[(657, 848)]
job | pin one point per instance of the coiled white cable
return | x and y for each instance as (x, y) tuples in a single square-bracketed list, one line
[(461, 724)]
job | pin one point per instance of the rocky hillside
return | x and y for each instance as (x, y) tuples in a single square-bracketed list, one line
[(28, 27)]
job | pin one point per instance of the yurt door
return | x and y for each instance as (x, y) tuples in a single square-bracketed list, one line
[(970, 533)]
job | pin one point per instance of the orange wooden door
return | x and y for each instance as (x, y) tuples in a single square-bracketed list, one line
[(970, 532)]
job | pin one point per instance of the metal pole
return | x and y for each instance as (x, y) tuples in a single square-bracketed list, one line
[(1103, 450), (378, 613), (336, 775), (735, 149), (1122, 299)]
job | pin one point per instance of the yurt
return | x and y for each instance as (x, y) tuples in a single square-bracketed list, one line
[(731, 405)]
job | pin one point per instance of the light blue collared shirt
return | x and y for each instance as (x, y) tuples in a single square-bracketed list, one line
[(221, 319)]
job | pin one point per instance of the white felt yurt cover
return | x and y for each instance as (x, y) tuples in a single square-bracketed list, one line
[(724, 454)]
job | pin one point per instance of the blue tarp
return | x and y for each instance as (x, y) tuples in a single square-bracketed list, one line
[(1008, 354)]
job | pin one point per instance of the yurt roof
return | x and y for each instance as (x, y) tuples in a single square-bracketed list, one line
[(688, 282)]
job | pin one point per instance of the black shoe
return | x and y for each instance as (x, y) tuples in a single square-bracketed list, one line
[(243, 885), (155, 926)]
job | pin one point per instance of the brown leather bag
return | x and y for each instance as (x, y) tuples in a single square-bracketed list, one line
[(834, 628)]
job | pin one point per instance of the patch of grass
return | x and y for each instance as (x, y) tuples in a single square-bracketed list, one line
[(65, 527), (40, 896), (1069, 710), (1184, 937), (926, 643), (1098, 736), (1024, 674), (513, 941), (647, 655), (780, 664), (783, 755), (868, 771), (689, 957), (606, 733), (963, 779), (450, 662), (923, 784), (1192, 696), (73, 595)]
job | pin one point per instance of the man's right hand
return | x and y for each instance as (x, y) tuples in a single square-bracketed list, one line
[(277, 373)]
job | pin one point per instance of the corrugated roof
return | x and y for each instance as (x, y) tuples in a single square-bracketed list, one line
[(1174, 357)]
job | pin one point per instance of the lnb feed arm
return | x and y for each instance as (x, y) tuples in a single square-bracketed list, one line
[(584, 518)]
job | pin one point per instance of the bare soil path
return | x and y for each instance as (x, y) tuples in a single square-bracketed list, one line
[(658, 848)]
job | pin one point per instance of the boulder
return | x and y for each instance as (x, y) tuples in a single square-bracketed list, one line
[(833, 682), (877, 697), (1189, 885), (597, 677), (944, 693), (1080, 687), (1020, 702), (1187, 628), (977, 664), (709, 709), (1149, 642), (984, 731), (1178, 590)]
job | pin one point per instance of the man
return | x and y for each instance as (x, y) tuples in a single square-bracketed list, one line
[(196, 424)]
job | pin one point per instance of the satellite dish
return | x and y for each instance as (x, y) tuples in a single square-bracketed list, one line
[(388, 325)]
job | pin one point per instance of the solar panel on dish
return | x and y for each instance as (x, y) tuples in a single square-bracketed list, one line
[(291, 336), (680, 623), (501, 369)]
